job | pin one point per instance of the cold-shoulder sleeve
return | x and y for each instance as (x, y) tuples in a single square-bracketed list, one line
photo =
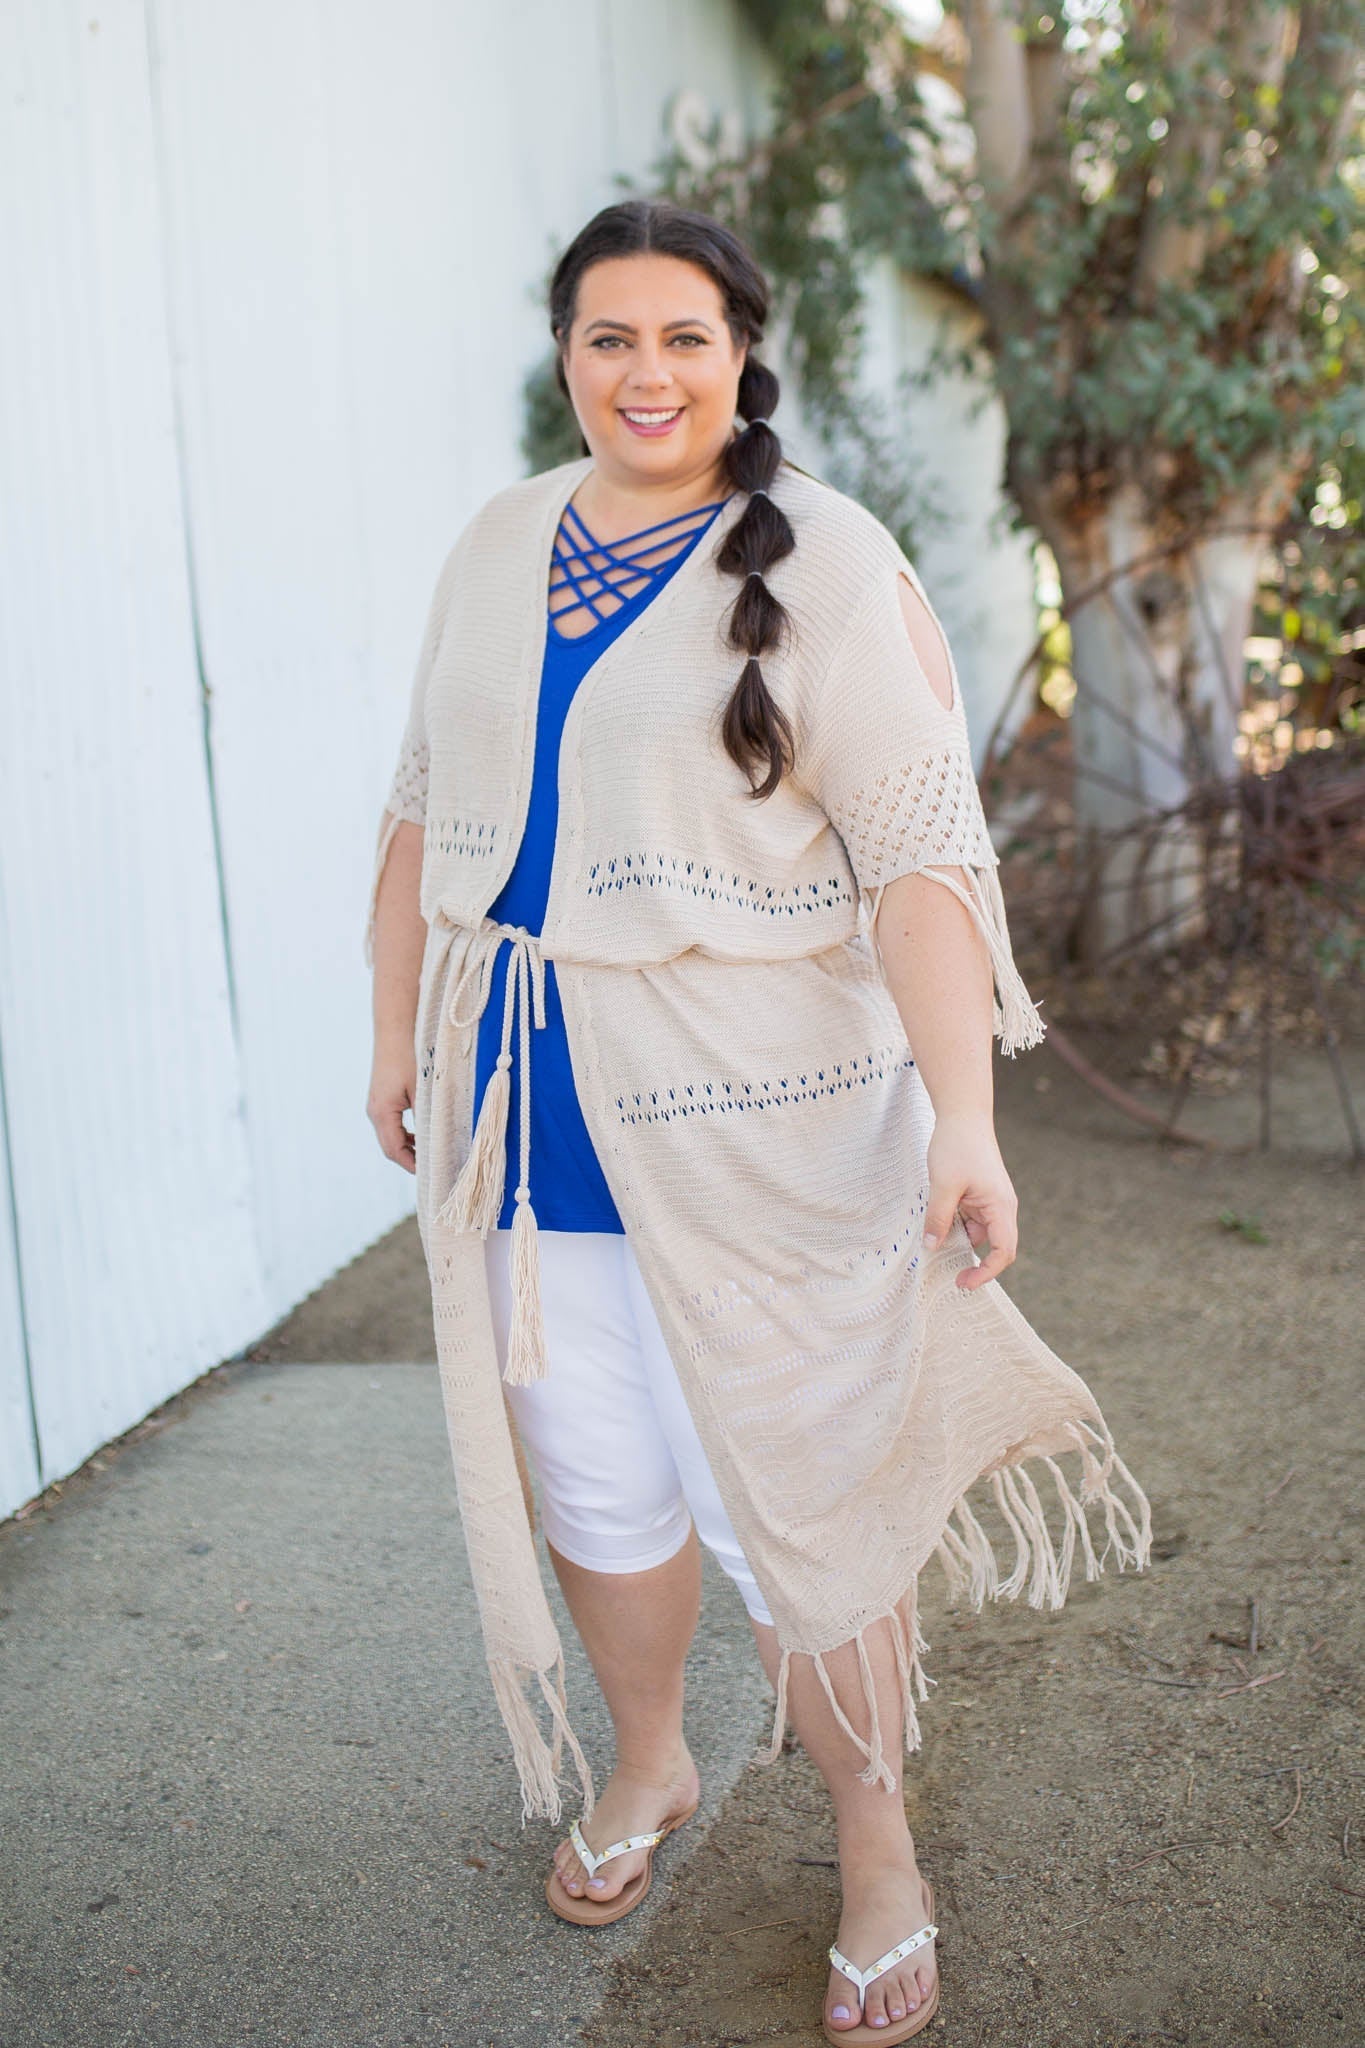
[(406, 802), (890, 763)]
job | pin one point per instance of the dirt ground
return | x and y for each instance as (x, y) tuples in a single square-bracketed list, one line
[(1140, 1814)]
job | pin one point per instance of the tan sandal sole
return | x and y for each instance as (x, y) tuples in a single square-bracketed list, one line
[(895, 2030), (583, 1912)]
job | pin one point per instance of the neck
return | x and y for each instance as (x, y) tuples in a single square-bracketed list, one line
[(614, 504)]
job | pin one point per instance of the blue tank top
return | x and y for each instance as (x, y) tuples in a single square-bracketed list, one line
[(568, 1188)]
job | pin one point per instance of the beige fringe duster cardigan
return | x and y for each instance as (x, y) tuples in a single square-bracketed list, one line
[(749, 1089)]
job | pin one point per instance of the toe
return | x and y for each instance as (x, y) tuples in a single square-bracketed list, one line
[(608, 1882), (875, 2007), (902, 1993), (841, 2008)]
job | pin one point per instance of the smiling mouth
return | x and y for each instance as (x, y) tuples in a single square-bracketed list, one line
[(640, 416)]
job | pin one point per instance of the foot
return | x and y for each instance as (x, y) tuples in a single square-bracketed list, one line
[(632, 1802), (884, 1903)]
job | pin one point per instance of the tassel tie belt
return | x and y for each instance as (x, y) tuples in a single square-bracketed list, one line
[(475, 1201)]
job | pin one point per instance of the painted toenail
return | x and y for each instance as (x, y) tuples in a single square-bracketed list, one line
[(597, 1883), (879, 2019), (839, 2012)]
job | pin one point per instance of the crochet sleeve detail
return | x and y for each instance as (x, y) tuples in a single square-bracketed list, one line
[(406, 802), (890, 763)]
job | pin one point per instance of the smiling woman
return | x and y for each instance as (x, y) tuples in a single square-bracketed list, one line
[(752, 924)]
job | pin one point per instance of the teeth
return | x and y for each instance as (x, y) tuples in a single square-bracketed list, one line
[(650, 419)]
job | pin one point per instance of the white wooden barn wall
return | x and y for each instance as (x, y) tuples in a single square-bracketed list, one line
[(137, 1256), (272, 280)]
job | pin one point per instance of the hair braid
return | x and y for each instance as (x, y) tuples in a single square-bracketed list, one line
[(756, 730)]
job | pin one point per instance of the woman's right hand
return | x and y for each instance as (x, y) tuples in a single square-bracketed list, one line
[(393, 1088)]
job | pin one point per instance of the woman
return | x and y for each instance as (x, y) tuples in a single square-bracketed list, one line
[(685, 808)]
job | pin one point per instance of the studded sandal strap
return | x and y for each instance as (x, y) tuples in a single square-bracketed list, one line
[(862, 1978), (593, 1860)]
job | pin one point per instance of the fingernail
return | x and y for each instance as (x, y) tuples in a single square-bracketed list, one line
[(839, 2012), (930, 1239)]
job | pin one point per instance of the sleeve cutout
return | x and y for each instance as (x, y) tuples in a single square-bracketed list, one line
[(929, 641)]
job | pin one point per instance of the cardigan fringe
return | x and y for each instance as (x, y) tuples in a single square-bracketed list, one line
[(971, 1572)]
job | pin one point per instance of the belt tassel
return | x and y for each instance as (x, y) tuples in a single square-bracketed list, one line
[(526, 1354), (475, 1201), (527, 1359)]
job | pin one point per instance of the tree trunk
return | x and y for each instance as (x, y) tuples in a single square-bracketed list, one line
[(1157, 655)]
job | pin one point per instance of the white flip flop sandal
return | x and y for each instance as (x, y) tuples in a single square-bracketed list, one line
[(588, 1912), (895, 2030)]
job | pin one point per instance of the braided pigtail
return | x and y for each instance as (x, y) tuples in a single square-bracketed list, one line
[(756, 731)]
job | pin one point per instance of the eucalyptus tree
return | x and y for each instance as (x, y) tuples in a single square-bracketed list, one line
[(1152, 209)]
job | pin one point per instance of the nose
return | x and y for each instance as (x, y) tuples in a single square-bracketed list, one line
[(651, 370)]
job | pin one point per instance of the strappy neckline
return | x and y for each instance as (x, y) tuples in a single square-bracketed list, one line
[(571, 555)]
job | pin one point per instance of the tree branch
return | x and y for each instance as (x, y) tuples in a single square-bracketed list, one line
[(1175, 234), (997, 95)]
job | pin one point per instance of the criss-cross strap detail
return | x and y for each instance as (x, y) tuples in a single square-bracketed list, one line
[(622, 562), (593, 1860), (862, 1978)]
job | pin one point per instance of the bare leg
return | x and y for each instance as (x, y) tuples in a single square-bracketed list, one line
[(883, 1898), (637, 1628)]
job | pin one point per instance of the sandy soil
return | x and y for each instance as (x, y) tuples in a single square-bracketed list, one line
[(1140, 1827)]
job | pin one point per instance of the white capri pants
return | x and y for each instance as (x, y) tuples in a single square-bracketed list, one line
[(621, 1471)]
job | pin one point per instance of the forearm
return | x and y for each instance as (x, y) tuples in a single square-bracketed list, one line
[(400, 934), (939, 974)]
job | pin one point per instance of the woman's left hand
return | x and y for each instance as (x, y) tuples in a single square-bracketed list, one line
[(967, 1176)]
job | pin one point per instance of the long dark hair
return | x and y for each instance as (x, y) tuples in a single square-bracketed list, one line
[(756, 731)]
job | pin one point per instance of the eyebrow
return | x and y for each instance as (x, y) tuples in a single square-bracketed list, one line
[(626, 327)]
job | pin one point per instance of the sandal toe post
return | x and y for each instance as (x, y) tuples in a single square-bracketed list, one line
[(896, 2030)]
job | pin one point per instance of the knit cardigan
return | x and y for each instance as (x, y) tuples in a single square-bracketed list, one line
[(748, 1086)]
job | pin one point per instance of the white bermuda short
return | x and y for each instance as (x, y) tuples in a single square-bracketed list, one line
[(614, 1450)]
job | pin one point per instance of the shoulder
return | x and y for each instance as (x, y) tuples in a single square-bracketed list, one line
[(513, 509), (511, 518), (840, 576), (839, 543)]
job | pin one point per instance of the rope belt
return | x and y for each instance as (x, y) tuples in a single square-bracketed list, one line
[(475, 1201)]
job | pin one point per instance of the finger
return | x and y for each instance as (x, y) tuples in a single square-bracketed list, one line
[(990, 1268), (392, 1133), (939, 1215)]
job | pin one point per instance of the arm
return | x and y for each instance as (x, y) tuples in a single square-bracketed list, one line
[(395, 930), (940, 977), (891, 762), (399, 939)]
